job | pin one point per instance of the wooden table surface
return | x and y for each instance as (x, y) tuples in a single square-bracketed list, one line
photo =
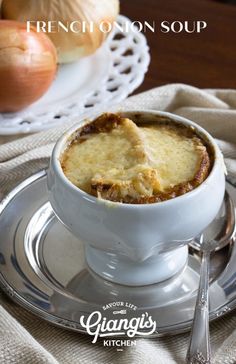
[(205, 60)]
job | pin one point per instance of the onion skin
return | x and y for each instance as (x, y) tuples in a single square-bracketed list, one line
[(28, 64), (70, 46)]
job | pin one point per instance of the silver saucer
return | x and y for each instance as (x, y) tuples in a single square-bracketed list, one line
[(42, 268)]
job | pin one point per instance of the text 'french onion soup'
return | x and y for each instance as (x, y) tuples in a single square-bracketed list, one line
[(116, 159)]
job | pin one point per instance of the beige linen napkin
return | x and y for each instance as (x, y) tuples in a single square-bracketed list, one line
[(28, 340)]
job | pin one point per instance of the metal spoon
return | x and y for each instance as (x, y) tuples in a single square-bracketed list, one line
[(199, 351)]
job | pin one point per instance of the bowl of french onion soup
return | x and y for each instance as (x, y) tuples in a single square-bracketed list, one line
[(135, 187)]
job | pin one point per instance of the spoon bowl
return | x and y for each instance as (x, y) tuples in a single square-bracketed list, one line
[(199, 350), (218, 234)]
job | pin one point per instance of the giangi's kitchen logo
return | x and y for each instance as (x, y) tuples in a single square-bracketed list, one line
[(118, 319)]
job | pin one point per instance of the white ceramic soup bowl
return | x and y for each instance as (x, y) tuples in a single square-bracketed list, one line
[(136, 244)]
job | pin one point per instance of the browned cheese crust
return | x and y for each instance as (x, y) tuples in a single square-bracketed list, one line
[(110, 190)]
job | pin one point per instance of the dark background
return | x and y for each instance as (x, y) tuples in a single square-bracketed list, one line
[(205, 60)]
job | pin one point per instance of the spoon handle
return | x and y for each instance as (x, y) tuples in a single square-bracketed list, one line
[(199, 351)]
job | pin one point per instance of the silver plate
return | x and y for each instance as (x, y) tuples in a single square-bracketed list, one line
[(42, 268)]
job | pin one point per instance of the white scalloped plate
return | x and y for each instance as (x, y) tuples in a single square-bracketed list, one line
[(106, 77)]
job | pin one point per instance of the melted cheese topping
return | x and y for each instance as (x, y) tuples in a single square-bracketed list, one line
[(175, 157), (131, 161)]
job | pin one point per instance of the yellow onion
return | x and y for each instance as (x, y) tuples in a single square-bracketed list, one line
[(70, 45), (28, 63)]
